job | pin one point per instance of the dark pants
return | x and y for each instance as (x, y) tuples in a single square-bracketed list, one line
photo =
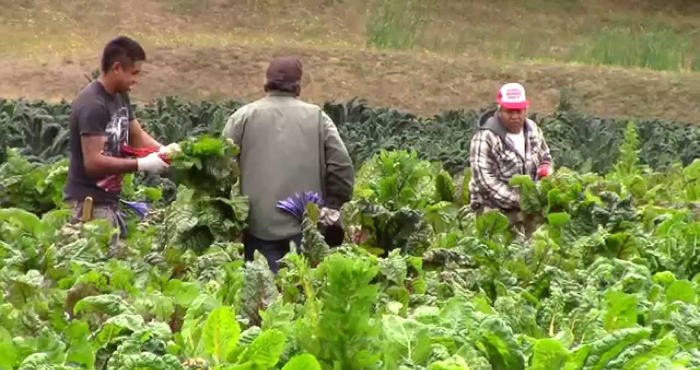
[(272, 250)]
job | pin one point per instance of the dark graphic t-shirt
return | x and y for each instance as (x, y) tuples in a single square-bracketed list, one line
[(96, 112)]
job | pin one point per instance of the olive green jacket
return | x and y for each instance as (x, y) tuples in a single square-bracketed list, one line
[(287, 147)]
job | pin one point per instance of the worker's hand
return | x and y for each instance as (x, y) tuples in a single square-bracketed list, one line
[(544, 170), (329, 216), (170, 149), (152, 163)]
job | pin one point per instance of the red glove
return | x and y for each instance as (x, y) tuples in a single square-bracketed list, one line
[(111, 184), (544, 170), (143, 152)]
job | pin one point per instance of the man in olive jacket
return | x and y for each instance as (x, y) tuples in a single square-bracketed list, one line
[(287, 147)]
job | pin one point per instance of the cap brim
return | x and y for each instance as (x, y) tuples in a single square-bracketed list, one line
[(520, 105)]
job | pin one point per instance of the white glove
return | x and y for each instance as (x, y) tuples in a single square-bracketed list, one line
[(170, 149), (152, 163)]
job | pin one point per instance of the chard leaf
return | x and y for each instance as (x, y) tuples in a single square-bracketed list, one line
[(81, 353), (558, 219), (606, 349), (221, 333), (182, 293), (9, 356), (36, 361), (264, 352), (110, 304), (620, 311), (409, 337), (529, 197), (681, 290), (659, 350), (302, 362), (116, 326), (498, 342), (455, 362), (549, 354), (145, 360)]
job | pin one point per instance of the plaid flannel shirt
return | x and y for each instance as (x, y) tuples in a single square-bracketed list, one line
[(494, 161)]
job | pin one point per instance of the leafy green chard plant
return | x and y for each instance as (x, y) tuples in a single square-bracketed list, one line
[(208, 207), (34, 187), (400, 201), (608, 280), (344, 334)]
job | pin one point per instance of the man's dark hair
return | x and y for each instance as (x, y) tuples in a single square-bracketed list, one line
[(124, 50)]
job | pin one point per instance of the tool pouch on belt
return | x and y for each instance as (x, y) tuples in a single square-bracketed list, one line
[(87, 210)]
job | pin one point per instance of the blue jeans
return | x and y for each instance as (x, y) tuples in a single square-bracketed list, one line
[(273, 250)]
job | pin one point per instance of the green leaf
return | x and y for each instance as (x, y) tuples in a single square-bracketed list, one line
[(482, 305), (77, 329), (606, 349), (9, 356), (412, 338), (115, 326), (491, 224), (664, 278), (578, 358), (681, 290), (620, 311), (221, 332), (455, 362), (50, 343), (498, 342), (529, 198), (143, 361), (549, 354), (32, 278), (662, 349), (265, 350), (183, 293), (444, 187), (302, 362), (110, 304), (36, 361), (81, 352), (27, 220), (558, 219)]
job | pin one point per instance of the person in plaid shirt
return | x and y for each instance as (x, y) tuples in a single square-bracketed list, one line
[(506, 144)]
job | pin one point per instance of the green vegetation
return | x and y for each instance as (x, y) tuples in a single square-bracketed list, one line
[(608, 281), (394, 24), (666, 49), (580, 142), (622, 40)]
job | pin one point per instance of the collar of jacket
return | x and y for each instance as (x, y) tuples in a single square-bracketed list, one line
[(494, 125), (281, 93)]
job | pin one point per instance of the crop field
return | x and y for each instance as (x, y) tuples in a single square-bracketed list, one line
[(608, 281)]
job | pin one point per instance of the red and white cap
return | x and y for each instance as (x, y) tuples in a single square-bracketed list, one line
[(512, 96)]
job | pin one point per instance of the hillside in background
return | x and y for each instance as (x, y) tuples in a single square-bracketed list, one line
[(635, 59)]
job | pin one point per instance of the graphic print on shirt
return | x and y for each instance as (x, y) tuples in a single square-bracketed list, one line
[(117, 131)]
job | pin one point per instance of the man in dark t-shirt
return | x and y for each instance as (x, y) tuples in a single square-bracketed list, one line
[(102, 120)]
